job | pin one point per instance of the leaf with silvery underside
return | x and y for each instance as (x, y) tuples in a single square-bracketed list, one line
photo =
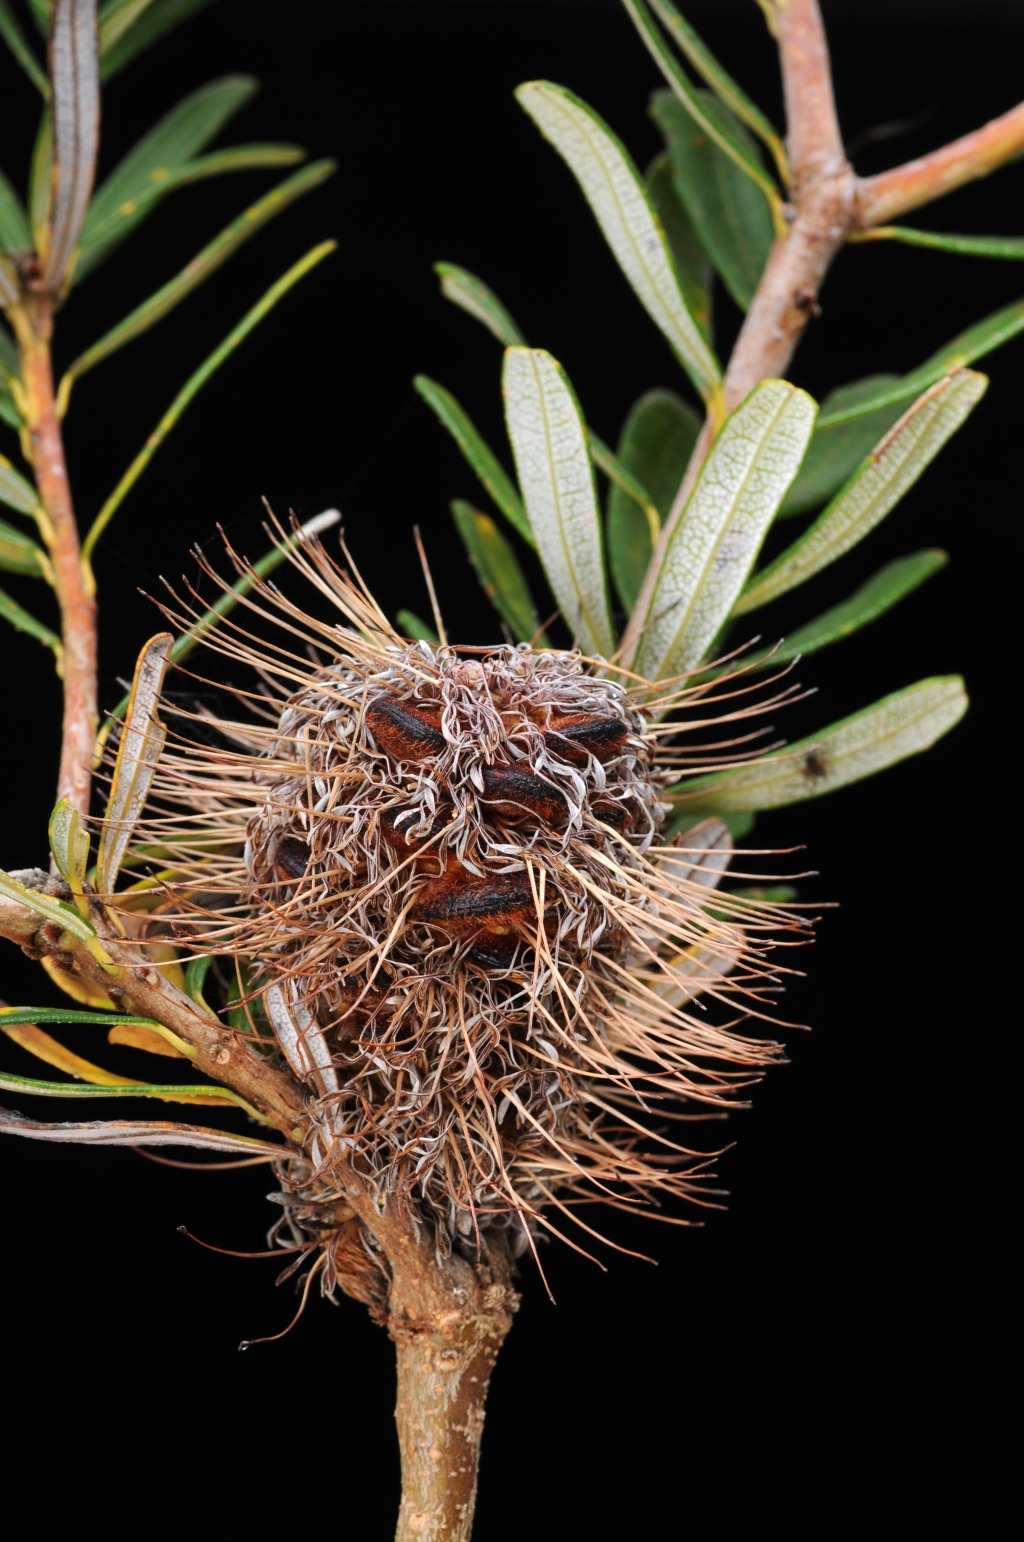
[(471, 294), (884, 477), (139, 1132), (69, 845), (10, 31), (1006, 248), (549, 442), (498, 570), (709, 113), (19, 553), (835, 453), (141, 742), (899, 725), (21, 621), (107, 234), (655, 446), (693, 265), (714, 546), (415, 627), (160, 17), (148, 168), (202, 266), (616, 193), (15, 235), (479, 454), (984, 337), (727, 211), (75, 104), (881, 592), (720, 81)]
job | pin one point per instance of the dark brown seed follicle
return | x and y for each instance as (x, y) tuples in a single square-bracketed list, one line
[(291, 858), (404, 732), (520, 794), (576, 738), (458, 903)]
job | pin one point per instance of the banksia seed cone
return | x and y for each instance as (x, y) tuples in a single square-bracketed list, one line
[(441, 870)]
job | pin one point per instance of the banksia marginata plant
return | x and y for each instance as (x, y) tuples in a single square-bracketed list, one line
[(441, 873)]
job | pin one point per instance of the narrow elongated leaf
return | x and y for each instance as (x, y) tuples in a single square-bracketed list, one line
[(473, 295), (74, 72), (40, 182), (15, 235), (147, 168), (479, 455), (10, 31), (693, 266), (201, 1092), (19, 1015), (881, 592), (1007, 248), (41, 11), (720, 81), (889, 472), (498, 570), (415, 627), (53, 910), (51, 1052), (134, 1036), (116, 17), (22, 621), (709, 114), (9, 364), (160, 17), (999, 328), (740, 487), (834, 454), (8, 283), (625, 481), (69, 844), (727, 211), (193, 386), (19, 553), (139, 1132), (137, 754), (105, 235), (616, 193), (655, 445), (899, 725), (15, 491), (549, 441), (8, 411), (200, 268)]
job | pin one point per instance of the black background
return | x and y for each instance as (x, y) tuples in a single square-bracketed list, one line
[(833, 1347)]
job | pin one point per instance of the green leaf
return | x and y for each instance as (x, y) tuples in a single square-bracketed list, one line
[(69, 844), (137, 754), (881, 592), (15, 491), (414, 627), (8, 411), (709, 115), (549, 441), (21, 621), (116, 18), (984, 337), (722, 83), (903, 724), (616, 193), (191, 389), (692, 264), (196, 971), (199, 269), (189, 1093), (498, 570), (19, 553), (835, 453), (15, 235), (140, 1132), (625, 481), (146, 172), (713, 548), (472, 294), (479, 455), (10, 31), (655, 445), (9, 363), (728, 212), (885, 476), (41, 12), (1008, 248), (159, 18), (52, 910), (75, 106)]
